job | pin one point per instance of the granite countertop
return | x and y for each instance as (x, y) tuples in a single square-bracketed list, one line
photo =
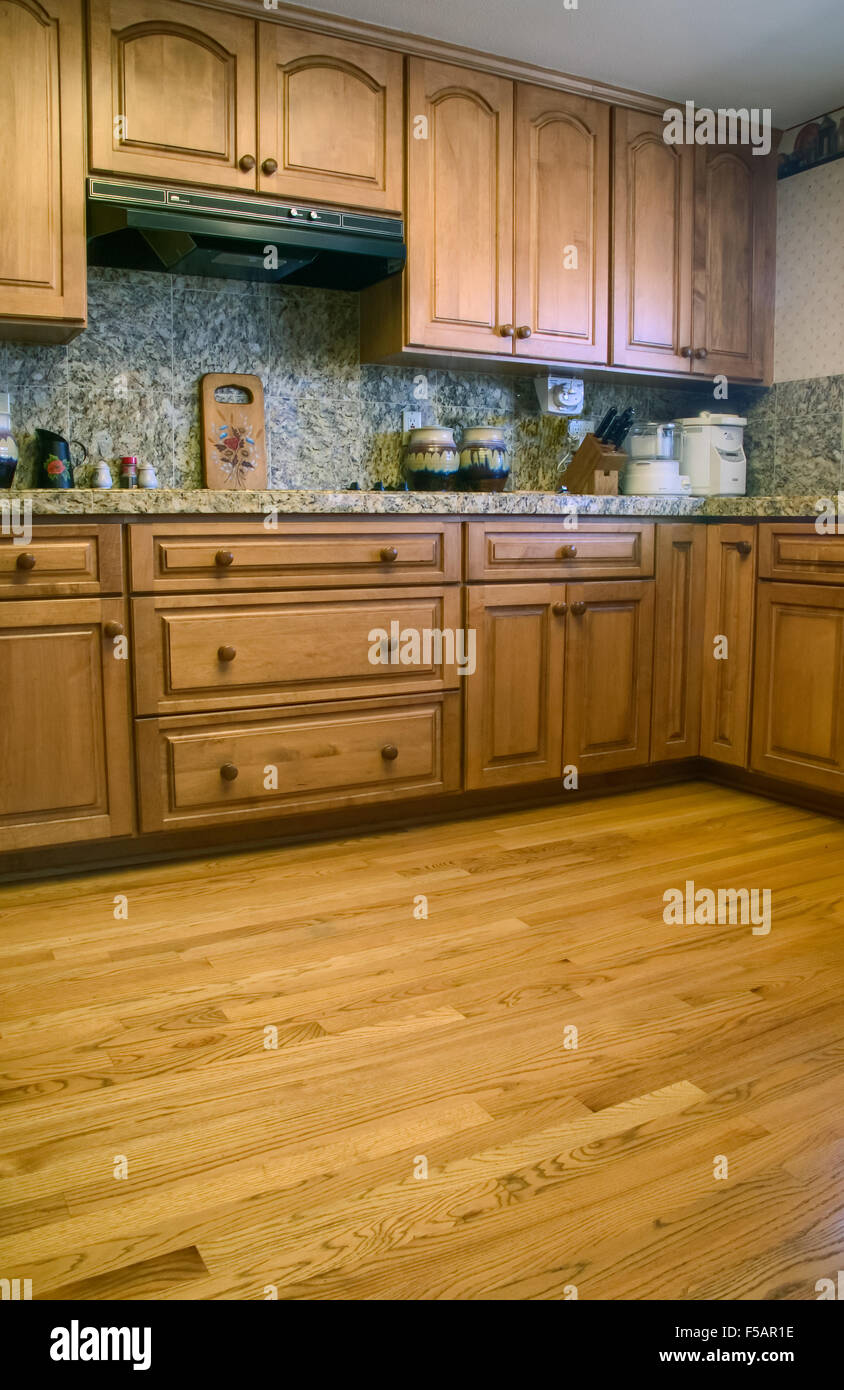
[(184, 502)]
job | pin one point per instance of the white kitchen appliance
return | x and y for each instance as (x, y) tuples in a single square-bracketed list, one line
[(654, 478), (712, 454)]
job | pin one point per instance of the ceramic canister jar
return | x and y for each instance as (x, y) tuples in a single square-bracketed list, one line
[(484, 465), (430, 460)]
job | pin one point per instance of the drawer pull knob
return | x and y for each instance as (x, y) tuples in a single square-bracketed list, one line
[(685, 352), (224, 558), (389, 752), (523, 331), (113, 629), (228, 772), (389, 553), (26, 561), (578, 609), (560, 609), (507, 330), (247, 162), (226, 653), (701, 353), (269, 167), (744, 547), (568, 552)]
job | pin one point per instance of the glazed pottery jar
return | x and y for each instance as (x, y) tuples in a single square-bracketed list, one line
[(484, 465), (430, 460)]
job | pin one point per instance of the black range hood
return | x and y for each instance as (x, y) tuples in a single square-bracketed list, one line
[(182, 232)]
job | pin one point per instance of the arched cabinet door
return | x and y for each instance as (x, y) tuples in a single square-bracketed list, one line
[(562, 225), (652, 245), (42, 233), (460, 209), (172, 92), (735, 222), (330, 120)]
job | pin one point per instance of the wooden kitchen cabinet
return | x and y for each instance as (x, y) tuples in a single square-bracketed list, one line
[(728, 629), (514, 700), (459, 209), (678, 655), (172, 92), (562, 219), (798, 702), (64, 737), (330, 119), (42, 241), (609, 673)]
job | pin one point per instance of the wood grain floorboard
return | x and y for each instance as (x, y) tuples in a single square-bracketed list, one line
[(527, 1088)]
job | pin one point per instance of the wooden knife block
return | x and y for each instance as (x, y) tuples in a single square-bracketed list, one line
[(594, 469)]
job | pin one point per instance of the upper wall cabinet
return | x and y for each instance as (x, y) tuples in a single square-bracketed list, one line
[(172, 92), (653, 245), (330, 119), (562, 218), (693, 251), (460, 209), (42, 240)]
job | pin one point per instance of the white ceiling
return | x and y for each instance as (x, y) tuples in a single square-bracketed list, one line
[(785, 54)]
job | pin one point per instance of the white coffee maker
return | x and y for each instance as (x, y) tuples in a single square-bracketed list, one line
[(712, 454)]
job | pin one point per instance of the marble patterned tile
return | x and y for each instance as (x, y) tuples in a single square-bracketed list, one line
[(218, 332), (111, 427), (808, 453), (487, 399), (312, 448), (760, 449), (129, 330), (814, 396), (313, 342), (39, 401)]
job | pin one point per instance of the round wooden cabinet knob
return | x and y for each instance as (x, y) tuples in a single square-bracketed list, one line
[(269, 166), (26, 561), (228, 772), (113, 629), (560, 609), (389, 752), (568, 552), (744, 547), (224, 558), (247, 162), (389, 553), (701, 353), (507, 330), (226, 653), (578, 609), (523, 331), (685, 352)]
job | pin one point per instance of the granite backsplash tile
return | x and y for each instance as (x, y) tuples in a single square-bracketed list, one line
[(130, 384)]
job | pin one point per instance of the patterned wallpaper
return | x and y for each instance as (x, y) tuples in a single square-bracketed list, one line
[(810, 274)]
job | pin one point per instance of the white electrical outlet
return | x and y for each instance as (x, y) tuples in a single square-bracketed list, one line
[(411, 420)]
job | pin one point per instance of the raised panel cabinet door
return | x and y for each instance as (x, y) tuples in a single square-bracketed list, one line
[(64, 737), (331, 119), (733, 289), (609, 671), (798, 701), (562, 174), (172, 92), (728, 643), (678, 654), (42, 231), (459, 209), (652, 245), (514, 699)]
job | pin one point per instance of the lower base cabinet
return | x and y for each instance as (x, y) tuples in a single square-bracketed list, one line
[(798, 707), (609, 674), (65, 759), (727, 677)]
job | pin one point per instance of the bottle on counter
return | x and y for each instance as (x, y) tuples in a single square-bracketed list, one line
[(146, 476), (8, 447), (129, 471)]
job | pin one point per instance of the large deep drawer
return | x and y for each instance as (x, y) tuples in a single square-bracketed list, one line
[(252, 650), (62, 561), (198, 770), (543, 548), (226, 556), (795, 550)]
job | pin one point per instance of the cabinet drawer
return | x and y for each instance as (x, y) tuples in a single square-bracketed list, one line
[(221, 557), (542, 549), (201, 771), (251, 650), (72, 561), (795, 550)]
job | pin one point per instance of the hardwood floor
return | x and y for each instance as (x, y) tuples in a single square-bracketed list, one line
[(404, 1041)]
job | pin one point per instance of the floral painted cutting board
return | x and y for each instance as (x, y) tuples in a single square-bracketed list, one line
[(234, 449)]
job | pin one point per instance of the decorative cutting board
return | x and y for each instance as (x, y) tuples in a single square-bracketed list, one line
[(234, 449)]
